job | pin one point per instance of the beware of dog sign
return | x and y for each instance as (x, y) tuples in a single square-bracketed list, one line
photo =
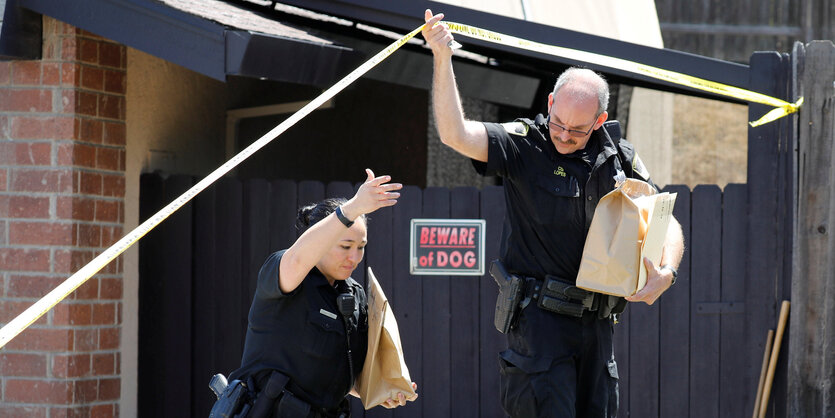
[(448, 247)]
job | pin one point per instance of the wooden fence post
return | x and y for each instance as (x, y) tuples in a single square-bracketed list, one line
[(769, 221), (811, 346)]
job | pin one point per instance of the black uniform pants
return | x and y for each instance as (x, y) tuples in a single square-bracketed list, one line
[(559, 366)]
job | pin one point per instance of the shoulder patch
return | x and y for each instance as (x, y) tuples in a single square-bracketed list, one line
[(516, 128), (639, 167)]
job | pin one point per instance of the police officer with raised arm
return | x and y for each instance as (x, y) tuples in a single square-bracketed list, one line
[(555, 168), (307, 336)]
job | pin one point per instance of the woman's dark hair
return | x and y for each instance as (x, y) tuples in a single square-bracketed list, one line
[(310, 214)]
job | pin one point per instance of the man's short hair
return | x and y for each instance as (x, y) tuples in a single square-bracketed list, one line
[(574, 73)]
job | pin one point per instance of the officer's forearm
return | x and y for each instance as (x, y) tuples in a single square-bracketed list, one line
[(673, 245), (446, 103), (468, 138)]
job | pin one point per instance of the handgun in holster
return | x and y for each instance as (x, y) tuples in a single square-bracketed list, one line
[(231, 398), (511, 295)]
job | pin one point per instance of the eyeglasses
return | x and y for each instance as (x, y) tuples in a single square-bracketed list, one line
[(574, 133)]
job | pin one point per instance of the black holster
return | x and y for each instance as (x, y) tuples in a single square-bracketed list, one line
[(232, 401), (511, 295)]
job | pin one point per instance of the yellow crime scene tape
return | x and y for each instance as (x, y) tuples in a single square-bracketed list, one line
[(782, 107), (42, 306), (30, 315)]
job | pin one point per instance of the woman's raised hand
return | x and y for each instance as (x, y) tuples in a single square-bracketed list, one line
[(374, 194)]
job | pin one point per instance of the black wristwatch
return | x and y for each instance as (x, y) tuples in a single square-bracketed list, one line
[(673, 270), (342, 218)]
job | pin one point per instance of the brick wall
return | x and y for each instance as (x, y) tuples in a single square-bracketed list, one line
[(62, 188)]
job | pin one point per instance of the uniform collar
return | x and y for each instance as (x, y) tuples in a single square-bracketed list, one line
[(607, 145), (316, 278)]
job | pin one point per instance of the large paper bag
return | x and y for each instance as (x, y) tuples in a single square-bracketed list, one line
[(630, 223), (384, 372)]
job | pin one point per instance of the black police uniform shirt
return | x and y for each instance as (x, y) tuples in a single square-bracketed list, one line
[(551, 197), (302, 334)]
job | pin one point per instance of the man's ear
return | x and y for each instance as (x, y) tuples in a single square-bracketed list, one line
[(600, 119), (550, 100)]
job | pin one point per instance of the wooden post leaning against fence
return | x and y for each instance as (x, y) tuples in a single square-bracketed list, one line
[(811, 346)]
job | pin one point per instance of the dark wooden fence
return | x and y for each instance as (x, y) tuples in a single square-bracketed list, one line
[(734, 30), (688, 355)]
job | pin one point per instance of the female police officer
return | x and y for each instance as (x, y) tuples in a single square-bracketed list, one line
[(308, 324)]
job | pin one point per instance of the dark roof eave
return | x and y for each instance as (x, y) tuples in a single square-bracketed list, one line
[(198, 44), (256, 55), (20, 32), (405, 15)]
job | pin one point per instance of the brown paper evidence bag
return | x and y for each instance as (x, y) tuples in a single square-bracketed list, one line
[(629, 223), (384, 372)]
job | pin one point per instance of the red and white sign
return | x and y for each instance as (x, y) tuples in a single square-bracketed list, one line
[(448, 247)]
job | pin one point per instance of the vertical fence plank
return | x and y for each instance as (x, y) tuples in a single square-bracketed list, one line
[(176, 260), (674, 326), (643, 360), (787, 137), (811, 356), (705, 288), (786, 131), (732, 389), (763, 275), (464, 325), (408, 294), (228, 296), (436, 322), (492, 341), (151, 352), (204, 351)]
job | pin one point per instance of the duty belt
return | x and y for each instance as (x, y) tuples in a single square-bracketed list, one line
[(560, 296), (555, 295), (551, 294)]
